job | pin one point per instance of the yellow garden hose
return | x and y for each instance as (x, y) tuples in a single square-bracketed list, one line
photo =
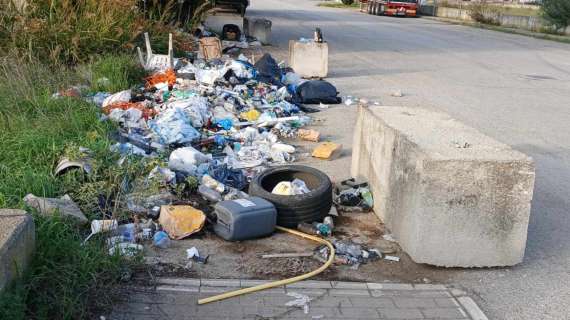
[(279, 282)]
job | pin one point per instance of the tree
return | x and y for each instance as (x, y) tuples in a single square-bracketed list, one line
[(557, 12)]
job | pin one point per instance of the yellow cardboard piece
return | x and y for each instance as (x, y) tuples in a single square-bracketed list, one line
[(181, 221), (309, 134), (326, 149)]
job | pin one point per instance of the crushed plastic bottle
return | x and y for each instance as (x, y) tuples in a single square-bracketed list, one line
[(209, 194)]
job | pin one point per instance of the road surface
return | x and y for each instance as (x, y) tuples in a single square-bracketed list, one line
[(513, 88)]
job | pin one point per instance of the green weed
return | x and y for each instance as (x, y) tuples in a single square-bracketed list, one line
[(66, 280)]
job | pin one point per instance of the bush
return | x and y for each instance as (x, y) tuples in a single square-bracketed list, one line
[(347, 2), (65, 280), (484, 13), (68, 31), (556, 12)]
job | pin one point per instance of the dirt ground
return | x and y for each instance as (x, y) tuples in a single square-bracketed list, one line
[(242, 260)]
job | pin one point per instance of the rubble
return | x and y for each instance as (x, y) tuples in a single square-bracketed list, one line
[(49, 206)]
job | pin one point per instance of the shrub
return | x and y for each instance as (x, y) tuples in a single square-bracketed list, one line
[(347, 2), (556, 12), (484, 13), (68, 31)]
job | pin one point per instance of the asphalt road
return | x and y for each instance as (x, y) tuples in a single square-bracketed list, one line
[(513, 88)]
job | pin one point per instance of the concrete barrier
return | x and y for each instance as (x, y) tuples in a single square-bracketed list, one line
[(452, 196), (17, 241), (309, 59), (258, 28), (215, 20)]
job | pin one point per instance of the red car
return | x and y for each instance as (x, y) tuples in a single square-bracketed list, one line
[(403, 8)]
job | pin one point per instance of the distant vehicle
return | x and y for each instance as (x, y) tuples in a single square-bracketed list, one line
[(402, 8), (238, 5)]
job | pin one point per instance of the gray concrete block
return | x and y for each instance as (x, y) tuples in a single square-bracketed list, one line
[(472, 308), (17, 244), (348, 285), (258, 28), (220, 282), (179, 282), (309, 59), (389, 286), (451, 196), (310, 284)]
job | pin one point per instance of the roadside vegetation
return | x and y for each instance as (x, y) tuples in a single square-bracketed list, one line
[(343, 4), (48, 47)]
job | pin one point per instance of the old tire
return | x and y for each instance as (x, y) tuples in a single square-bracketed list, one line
[(291, 210)]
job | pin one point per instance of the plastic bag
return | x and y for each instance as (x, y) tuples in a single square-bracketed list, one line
[(187, 159), (173, 126), (122, 96), (268, 70), (317, 91), (231, 177)]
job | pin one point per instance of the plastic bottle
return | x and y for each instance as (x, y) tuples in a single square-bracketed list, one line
[(209, 194), (367, 196)]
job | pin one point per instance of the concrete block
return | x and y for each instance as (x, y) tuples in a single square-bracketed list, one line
[(17, 243), (451, 196), (215, 20), (309, 59), (258, 28)]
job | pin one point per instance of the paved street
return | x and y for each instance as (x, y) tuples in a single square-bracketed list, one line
[(513, 88), (177, 299)]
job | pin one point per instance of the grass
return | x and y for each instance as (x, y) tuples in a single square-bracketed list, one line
[(334, 4), (65, 280)]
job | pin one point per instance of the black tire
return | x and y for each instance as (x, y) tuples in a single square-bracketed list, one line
[(291, 210)]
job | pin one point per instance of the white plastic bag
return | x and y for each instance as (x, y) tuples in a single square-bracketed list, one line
[(122, 96), (187, 159)]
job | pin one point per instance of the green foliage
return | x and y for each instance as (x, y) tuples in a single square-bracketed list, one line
[(65, 278), (122, 71), (69, 31), (556, 12), (484, 12), (334, 4)]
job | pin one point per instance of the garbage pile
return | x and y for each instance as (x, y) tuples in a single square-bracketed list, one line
[(208, 125)]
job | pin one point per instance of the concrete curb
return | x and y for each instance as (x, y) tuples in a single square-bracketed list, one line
[(17, 244)]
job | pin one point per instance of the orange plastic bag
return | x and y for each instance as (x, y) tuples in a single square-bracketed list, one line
[(181, 221), (168, 76)]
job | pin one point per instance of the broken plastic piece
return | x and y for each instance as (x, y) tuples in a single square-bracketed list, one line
[(50, 206)]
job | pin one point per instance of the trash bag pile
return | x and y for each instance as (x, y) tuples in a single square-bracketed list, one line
[(211, 125), (218, 121)]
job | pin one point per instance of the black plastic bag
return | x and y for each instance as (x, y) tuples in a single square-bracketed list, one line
[(317, 91), (268, 70)]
